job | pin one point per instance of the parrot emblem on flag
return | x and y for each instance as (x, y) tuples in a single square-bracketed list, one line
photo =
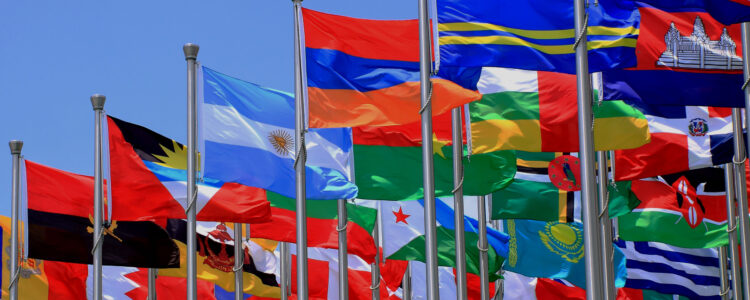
[(693, 210), (565, 173)]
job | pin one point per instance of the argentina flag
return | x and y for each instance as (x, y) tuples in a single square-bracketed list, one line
[(667, 269), (248, 135)]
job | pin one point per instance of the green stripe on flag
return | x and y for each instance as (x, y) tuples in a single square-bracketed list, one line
[(506, 106), (327, 209)]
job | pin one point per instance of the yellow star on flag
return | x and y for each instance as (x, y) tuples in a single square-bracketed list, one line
[(437, 146)]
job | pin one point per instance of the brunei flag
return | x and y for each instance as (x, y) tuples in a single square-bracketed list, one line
[(149, 181), (60, 218)]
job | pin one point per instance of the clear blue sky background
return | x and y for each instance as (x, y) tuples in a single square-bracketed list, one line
[(55, 54)]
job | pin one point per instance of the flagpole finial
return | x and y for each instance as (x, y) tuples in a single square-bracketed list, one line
[(15, 146), (97, 101), (191, 51)]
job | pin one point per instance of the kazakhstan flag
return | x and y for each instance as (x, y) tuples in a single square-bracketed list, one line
[(535, 34), (552, 250)]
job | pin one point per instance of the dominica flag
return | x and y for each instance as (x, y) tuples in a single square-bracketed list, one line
[(388, 163), (403, 224), (536, 111), (546, 188)]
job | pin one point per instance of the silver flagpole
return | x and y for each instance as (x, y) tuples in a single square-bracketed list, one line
[(239, 261), (406, 283), (425, 68), (343, 251), (724, 276), (15, 204), (191, 54), (734, 251), (458, 203), (741, 194), (484, 272), (97, 102), (284, 270), (606, 228), (301, 156), (152, 273), (592, 230), (375, 267)]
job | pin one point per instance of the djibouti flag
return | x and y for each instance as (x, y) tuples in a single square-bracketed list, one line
[(403, 224)]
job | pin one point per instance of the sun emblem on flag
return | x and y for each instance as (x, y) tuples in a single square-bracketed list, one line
[(281, 141), (698, 127), (564, 240)]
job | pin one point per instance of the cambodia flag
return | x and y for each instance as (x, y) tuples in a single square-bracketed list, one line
[(682, 138), (366, 72), (684, 58), (725, 11)]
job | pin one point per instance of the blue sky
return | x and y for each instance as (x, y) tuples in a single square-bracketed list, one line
[(55, 54)]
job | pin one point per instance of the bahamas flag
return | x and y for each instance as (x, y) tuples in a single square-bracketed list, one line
[(535, 34), (552, 250), (248, 133)]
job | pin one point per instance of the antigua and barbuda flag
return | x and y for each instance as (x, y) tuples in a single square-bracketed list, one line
[(683, 209), (685, 57), (682, 138), (248, 134)]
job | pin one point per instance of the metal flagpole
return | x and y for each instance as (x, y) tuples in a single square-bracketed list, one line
[(301, 156), (734, 251), (458, 203), (239, 261), (152, 273), (191, 54), (284, 270), (425, 68), (484, 272), (406, 283), (741, 194), (494, 225), (343, 251), (723, 272), (592, 230), (15, 204), (606, 228), (375, 267), (97, 102)]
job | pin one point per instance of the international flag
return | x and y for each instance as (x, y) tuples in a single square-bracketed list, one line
[(248, 133), (60, 218), (726, 11), (216, 259), (534, 35), (682, 138), (536, 111), (149, 181), (446, 283), (692, 273), (403, 225), (546, 188), (322, 224), (552, 250), (685, 57), (684, 209), (366, 72), (132, 283)]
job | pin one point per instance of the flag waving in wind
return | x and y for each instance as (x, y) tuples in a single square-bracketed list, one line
[(248, 133)]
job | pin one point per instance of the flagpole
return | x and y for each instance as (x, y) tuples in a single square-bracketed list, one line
[(152, 273), (592, 230), (284, 270), (97, 102), (458, 202), (425, 68), (191, 54), (15, 204), (375, 267), (734, 250), (741, 194), (343, 251), (406, 283), (239, 258), (484, 272), (724, 278), (606, 228), (301, 156)]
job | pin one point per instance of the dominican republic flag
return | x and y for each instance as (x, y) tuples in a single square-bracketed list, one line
[(693, 273), (685, 57), (682, 138)]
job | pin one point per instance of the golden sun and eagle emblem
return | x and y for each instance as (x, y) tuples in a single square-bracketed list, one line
[(281, 141)]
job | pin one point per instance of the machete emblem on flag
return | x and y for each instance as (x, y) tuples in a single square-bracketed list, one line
[(565, 173), (109, 229), (698, 127), (686, 194), (281, 141), (564, 239)]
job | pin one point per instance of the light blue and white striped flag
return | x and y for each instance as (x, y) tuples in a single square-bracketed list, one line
[(248, 133), (667, 269)]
